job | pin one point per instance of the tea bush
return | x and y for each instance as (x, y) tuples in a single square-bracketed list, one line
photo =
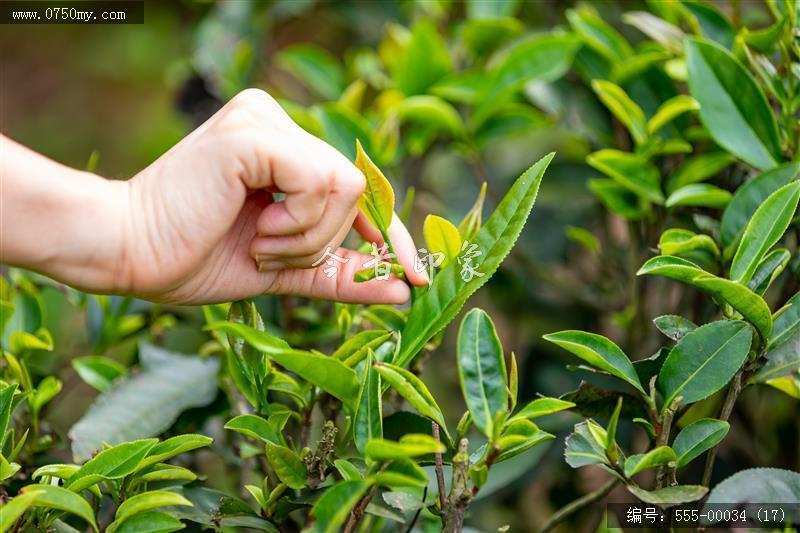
[(323, 417)]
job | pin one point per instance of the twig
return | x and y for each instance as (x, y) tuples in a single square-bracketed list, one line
[(439, 468), (358, 511), (662, 439), (576, 505), (725, 413)]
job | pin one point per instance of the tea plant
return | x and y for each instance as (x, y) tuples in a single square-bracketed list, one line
[(322, 414)]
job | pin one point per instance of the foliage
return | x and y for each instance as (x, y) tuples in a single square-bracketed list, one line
[(681, 127)]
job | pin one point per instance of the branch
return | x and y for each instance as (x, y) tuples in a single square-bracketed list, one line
[(725, 413), (439, 468), (576, 505)]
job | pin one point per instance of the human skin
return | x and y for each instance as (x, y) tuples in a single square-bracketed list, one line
[(200, 224)]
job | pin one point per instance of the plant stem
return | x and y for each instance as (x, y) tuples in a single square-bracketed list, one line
[(662, 439), (358, 511), (725, 413), (576, 505), (439, 468)]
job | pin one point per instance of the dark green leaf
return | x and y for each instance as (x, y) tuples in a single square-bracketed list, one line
[(704, 360), (315, 67), (669, 496), (629, 170), (97, 371), (757, 485), (333, 508), (368, 416), (256, 427), (732, 106), (52, 497), (674, 326), (288, 466), (599, 352), (481, 369), (413, 390), (423, 61)]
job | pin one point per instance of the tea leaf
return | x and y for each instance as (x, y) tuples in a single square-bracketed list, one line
[(622, 107), (413, 390), (586, 445), (13, 509), (670, 110), (699, 168), (61, 499), (441, 236), (174, 446), (99, 372), (150, 522), (288, 466), (368, 416), (410, 445), (481, 369), (112, 463), (327, 373), (437, 306), (167, 384), (377, 202), (256, 427), (631, 171), (699, 195), (704, 360), (144, 502), (673, 326), (599, 352), (732, 106), (643, 461), (333, 508), (767, 226), (669, 496), (697, 437), (783, 360), (541, 407), (757, 485), (748, 198), (471, 222), (315, 67), (519, 436)]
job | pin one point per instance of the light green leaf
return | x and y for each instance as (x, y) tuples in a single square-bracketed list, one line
[(544, 57), (711, 22), (341, 128), (175, 446), (21, 341), (99, 372), (147, 501), (377, 202), (699, 168), (622, 107), (441, 236), (670, 110), (355, 349), (703, 361), (151, 522), (471, 222), (431, 110), (423, 61), (327, 373), (401, 473), (481, 369), (256, 427), (333, 508), (113, 463), (410, 445), (6, 406), (748, 198), (13, 509), (629, 170), (164, 472), (643, 461), (61, 499), (669, 496), (541, 407), (769, 268), (368, 416), (480, 9), (288, 466), (413, 390), (315, 67), (697, 437), (765, 228), (732, 106), (347, 470), (598, 34), (599, 352), (658, 29), (518, 436), (751, 306), (675, 241), (436, 307), (699, 195), (147, 403)]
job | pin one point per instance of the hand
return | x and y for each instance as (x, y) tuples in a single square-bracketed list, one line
[(200, 224)]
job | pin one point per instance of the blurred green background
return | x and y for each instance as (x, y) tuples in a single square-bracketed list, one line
[(131, 91)]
